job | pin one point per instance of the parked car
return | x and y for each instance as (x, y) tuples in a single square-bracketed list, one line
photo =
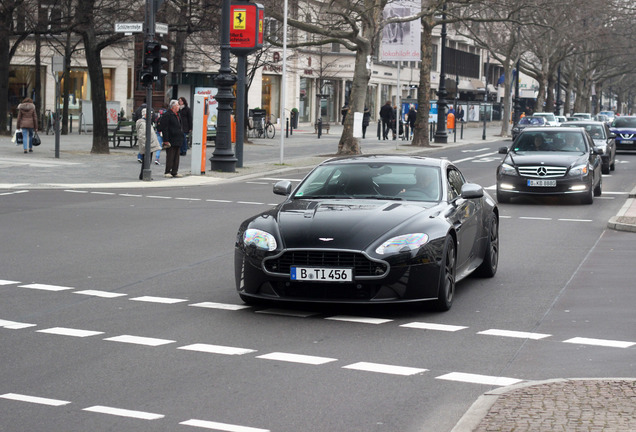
[(367, 230), (561, 119), (550, 161), (583, 116), (624, 127), (525, 122), (549, 117), (602, 118), (610, 114), (603, 139)]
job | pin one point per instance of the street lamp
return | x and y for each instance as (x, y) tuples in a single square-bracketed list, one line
[(223, 157), (441, 135)]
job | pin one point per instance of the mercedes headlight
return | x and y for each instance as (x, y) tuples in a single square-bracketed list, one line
[(402, 243), (579, 170), (259, 239), (506, 169)]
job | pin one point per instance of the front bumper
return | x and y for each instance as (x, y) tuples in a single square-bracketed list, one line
[(519, 185)]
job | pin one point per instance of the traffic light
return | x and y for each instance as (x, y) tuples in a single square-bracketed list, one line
[(145, 77), (154, 59)]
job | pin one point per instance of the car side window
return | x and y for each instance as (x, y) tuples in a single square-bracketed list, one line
[(455, 181)]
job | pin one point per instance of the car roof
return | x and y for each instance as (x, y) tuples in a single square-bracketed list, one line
[(587, 122), (551, 129), (383, 159), (543, 114)]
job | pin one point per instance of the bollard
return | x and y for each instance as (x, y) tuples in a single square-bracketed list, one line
[(287, 128), (319, 127), (455, 132), (462, 130), (379, 130)]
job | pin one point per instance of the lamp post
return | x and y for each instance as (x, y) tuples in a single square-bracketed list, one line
[(223, 157), (483, 135), (557, 109), (441, 134)]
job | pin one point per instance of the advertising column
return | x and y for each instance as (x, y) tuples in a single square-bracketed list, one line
[(199, 133)]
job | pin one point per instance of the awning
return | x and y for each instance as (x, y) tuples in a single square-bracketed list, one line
[(478, 85)]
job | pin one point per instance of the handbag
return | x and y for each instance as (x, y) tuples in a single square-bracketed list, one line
[(18, 137), (35, 141)]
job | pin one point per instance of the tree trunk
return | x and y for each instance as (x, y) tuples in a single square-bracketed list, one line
[(420, 131), (507, 111), (5, 44)]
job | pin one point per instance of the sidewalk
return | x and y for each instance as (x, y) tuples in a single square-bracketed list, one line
[(564, 404)]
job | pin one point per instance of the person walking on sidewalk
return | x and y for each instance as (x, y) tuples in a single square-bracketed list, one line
[(386, 114), (28, 122), (185, 114), (172, 134), (141, 140)]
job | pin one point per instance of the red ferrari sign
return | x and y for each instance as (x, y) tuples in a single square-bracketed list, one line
[(246, 27)]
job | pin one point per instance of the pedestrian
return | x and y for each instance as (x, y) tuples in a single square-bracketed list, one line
[(185, 114), (366, 118), (460, 113), (136, 116), (344, 111), (28, 122), (386, 113), (141, 140), (410, 118), (172, 134)]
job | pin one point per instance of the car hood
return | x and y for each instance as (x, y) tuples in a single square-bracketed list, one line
[(623, 130), (564, 159), (349, 224)]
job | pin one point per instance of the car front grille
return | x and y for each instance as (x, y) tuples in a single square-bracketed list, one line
[(542, 171), (361, 265), (626, 135)]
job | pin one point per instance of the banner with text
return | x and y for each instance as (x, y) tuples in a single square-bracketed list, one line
[(401, 41)]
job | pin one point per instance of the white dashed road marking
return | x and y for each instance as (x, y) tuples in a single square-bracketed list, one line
[(12, 325), (70, 332), (124, 412), (8, 282), (103, 294), (600, 342), (433, 326), (165, 300), (216, 349), (34, 399), (479, 379), (138, 340), (362, 320), (297, 358), (46, 287), (224, 306), (383, 368), (220, 426), (514, 334)]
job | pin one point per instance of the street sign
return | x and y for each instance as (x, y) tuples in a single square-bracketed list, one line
[(129, 27), (246, 27), (161, 28)]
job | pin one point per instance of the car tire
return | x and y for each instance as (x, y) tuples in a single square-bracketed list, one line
[(488, 267), (613, 164), (502, 197), (446, 284), (588, 197), (605, 168), (598, 190)]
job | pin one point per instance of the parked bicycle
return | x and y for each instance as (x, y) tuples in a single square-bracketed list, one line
[(260, 127), (49, 117)]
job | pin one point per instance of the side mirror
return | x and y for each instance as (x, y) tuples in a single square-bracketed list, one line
[(503, 150), (612, 135), (471, 191), (283, 187), (597, 150)]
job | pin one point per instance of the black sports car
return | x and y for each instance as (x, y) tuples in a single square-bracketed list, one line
[(369, 229), (551, 161)]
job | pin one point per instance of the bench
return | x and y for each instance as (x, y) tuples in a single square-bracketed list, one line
[(125, 131), (325, 127)]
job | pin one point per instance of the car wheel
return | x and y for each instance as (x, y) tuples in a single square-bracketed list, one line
[(488, 267), (446, 286), (598, 190), (605, 168), (502, 197), (588, 197), (613, 164)]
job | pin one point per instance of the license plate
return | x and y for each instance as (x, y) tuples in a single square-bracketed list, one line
[(321, 274), (542, 183), (627, 141)]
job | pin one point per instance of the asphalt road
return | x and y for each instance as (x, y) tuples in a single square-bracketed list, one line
[(118, 312)]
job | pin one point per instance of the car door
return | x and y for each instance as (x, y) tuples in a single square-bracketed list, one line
[(464, 217)]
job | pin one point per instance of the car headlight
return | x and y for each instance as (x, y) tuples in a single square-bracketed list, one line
[(406, 242), (259, 239), (506, 169), (579, 170)]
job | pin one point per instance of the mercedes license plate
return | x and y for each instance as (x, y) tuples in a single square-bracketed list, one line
[(542, 183), (321, 274)]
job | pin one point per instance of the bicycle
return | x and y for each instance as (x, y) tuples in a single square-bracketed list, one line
[(270, 130), (259, 128), (50, 121)]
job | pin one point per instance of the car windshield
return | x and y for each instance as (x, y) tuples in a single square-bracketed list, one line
[(535, 121), (563, 141), (547, 116), (595, 131), (624, 122), (372, 181)]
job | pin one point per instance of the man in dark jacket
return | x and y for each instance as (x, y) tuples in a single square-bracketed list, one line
[(386, 114), (170, 128), (186, 123)]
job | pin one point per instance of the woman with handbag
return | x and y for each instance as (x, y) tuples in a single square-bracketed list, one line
[(28, 122), (141, 140)]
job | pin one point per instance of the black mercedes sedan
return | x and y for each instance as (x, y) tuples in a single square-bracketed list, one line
[(369, 229), (551, 161)]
